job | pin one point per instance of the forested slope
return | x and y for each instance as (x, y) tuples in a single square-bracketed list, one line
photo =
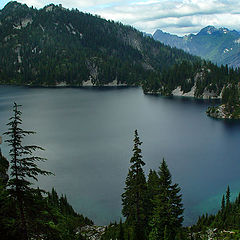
[(54, 45)]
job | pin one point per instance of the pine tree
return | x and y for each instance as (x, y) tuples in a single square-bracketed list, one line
[(121, 231), (152, 184), (168, 207), (166, 233), (134, 197), (23, 167), (223, 204), (152, 192), (228, 198)]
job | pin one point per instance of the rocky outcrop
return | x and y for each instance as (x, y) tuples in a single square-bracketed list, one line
[(114, 83), (224, 112), (206, 94), (214, 234), (91, 232)]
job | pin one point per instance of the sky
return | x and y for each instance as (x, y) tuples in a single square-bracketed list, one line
[(179, 17)]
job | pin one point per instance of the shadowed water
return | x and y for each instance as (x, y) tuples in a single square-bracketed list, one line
[(88, 137)]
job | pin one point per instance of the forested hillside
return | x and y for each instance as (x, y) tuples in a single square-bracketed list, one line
[(55, 45), (222, 225)]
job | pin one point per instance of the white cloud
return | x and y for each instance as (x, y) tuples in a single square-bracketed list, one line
[(180, 17), (175, 16)]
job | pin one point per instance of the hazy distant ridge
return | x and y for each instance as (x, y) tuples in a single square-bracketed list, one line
[(220, 45)]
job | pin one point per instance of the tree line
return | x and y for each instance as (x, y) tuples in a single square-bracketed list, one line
[(152, 206)]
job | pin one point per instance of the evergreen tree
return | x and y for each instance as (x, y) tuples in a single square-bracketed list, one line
[(152, 192), (23, 168), (121, 231), (228, 198), (134, 197), (168, 208), (166, 235), (152, 185), (223, 203)]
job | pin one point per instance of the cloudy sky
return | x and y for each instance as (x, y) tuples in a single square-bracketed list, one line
[(175, 16)]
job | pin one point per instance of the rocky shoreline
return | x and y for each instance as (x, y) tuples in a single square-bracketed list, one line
[(224, 111)]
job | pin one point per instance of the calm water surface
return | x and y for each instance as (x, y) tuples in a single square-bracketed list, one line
[(88, 137)]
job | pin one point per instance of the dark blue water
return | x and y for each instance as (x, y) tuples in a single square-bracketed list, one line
[(88, 137)]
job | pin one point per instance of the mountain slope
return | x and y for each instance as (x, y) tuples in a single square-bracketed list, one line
[(220, 46), (54, 46)]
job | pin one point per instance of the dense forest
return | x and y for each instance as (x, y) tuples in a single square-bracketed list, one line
[(54, 45)]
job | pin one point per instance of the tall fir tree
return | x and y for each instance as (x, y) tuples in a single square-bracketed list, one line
[(168, 208), (223, 203), (228, 198), (23, 168), (152, 192), (121, 231), (135, 195)]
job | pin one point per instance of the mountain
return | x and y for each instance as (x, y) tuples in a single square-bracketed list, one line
[(221, 46), (56, 46)]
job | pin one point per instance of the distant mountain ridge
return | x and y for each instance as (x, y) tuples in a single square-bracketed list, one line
[(219, 45)]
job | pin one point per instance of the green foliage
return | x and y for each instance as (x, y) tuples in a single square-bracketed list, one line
[(26, 212), (227, 218), (23, 168), (4, 164), (167, 213), (135, 195), (153, 209), (71, 46)]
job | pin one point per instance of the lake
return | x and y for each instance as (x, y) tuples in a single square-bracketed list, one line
[(88, 136)]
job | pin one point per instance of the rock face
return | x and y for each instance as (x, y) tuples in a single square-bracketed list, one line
[(114, 83), (206, 94)]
